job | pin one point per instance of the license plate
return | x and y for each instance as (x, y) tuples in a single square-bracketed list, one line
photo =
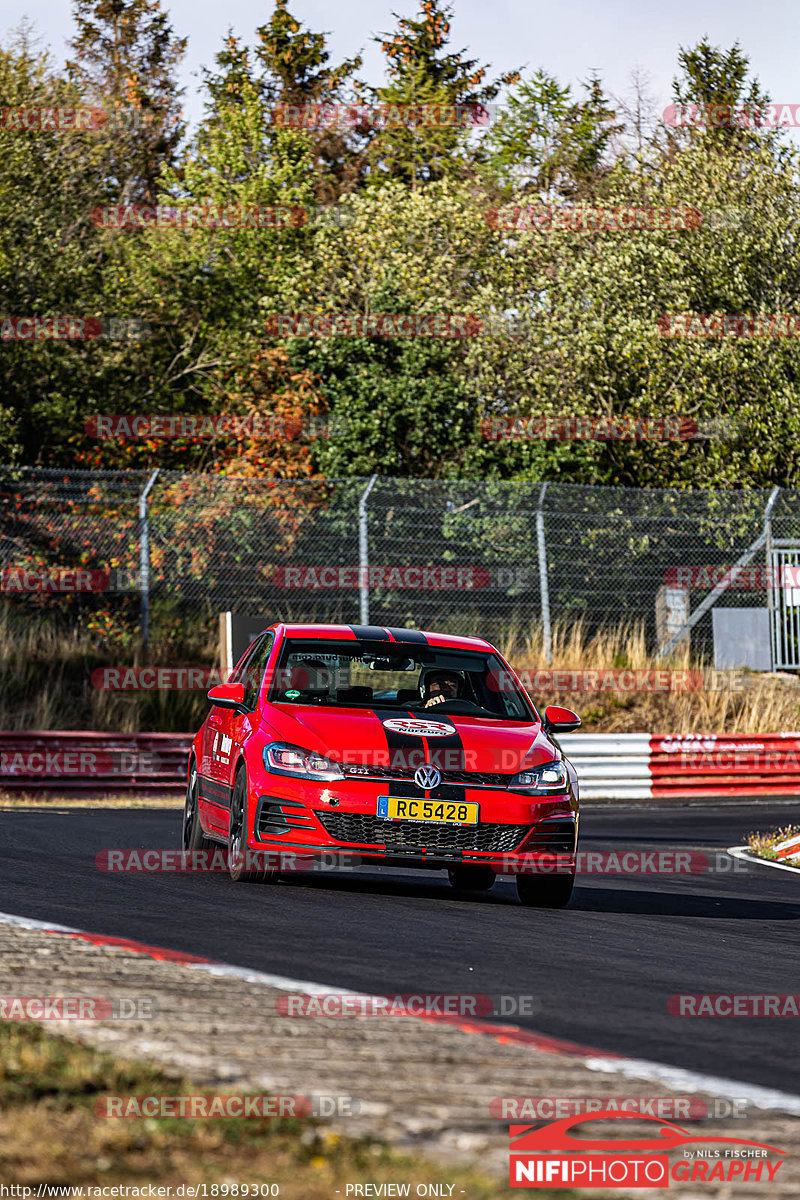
[(443, 812)]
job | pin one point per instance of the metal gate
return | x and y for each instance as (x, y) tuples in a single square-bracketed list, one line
[(783, 595)]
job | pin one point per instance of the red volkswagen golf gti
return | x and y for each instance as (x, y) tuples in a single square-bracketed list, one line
[(384, 746)]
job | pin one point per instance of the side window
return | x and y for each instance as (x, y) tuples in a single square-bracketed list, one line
[(238, 674), (254, 671)]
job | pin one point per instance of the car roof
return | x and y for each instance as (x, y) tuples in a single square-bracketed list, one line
[(383, 633)]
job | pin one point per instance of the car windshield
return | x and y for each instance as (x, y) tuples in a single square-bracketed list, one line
[(398, 676)]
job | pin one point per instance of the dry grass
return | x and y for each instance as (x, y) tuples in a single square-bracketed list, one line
[(45, 675), (46, 681), (50, 1134), (42, 799), (728, 702), (763, 844)]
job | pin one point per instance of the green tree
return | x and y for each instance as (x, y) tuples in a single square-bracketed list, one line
[(548, 142), (422, 72), (713, 78), (297, 74), (125, 60)]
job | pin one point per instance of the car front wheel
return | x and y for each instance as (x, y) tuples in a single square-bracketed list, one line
[(193, 836), (244, 866)]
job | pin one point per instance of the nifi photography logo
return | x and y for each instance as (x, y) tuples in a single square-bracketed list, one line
[(553, 1156)]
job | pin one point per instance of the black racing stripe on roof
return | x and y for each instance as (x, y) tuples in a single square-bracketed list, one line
[(371, 633), (407, 635)]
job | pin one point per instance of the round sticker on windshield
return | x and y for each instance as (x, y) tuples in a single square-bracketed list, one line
[(418, 728)]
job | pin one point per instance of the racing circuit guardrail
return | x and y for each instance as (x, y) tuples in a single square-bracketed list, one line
[(642, 766), (93, 763), (611, 766)]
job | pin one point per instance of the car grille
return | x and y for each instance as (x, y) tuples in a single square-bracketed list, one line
[(358, 827), (470, 778)]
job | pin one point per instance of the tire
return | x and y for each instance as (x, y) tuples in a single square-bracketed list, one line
[(471, 878), (545, 891), (237, 849), (193, 837)]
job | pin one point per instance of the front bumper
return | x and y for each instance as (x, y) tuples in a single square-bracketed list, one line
[(339, 819)]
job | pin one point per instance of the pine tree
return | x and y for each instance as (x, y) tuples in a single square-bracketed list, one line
[(421, 72), (125, 59)]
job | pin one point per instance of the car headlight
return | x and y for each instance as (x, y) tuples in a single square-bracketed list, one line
[(541, 781), (284, 759)]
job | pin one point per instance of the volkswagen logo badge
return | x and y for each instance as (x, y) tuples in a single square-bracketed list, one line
[(427, 777)]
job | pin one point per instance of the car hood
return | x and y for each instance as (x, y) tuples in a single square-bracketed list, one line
[(384, 737)]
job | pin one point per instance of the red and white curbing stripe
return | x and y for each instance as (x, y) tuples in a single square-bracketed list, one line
[(645, 766), (788, 848), (675, 1078)]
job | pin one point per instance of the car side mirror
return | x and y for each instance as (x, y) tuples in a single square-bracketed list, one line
[(560, 720), (227, 695)]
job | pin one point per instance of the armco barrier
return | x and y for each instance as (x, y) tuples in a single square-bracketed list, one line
[(94, 763), (641, 766), (611, 766)]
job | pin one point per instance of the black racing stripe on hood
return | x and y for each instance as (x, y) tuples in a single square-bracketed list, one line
[(408, 750), (446, 753), (405, 750)]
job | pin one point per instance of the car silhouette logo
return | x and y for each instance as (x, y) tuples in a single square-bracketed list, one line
[(427, 777)]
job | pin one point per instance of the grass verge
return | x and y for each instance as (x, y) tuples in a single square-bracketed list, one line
[(763, 844), (45, 799), (49, 1133)]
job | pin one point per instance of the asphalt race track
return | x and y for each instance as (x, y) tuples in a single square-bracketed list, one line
[(601, 971)]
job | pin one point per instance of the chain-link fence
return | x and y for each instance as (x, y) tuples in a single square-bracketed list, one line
[(484, 556)]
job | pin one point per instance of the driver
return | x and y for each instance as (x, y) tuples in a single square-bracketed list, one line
[(316, 675), (443, 685)]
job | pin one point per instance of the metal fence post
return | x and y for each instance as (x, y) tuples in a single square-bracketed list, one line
[(715, 593), (144, 561), (363, 554), (768, 555), (544, 584)]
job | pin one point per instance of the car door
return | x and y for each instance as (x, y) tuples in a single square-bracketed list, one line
[(215, 769), (239, 725)]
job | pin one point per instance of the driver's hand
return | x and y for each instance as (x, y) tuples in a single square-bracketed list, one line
[(440, 699)]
